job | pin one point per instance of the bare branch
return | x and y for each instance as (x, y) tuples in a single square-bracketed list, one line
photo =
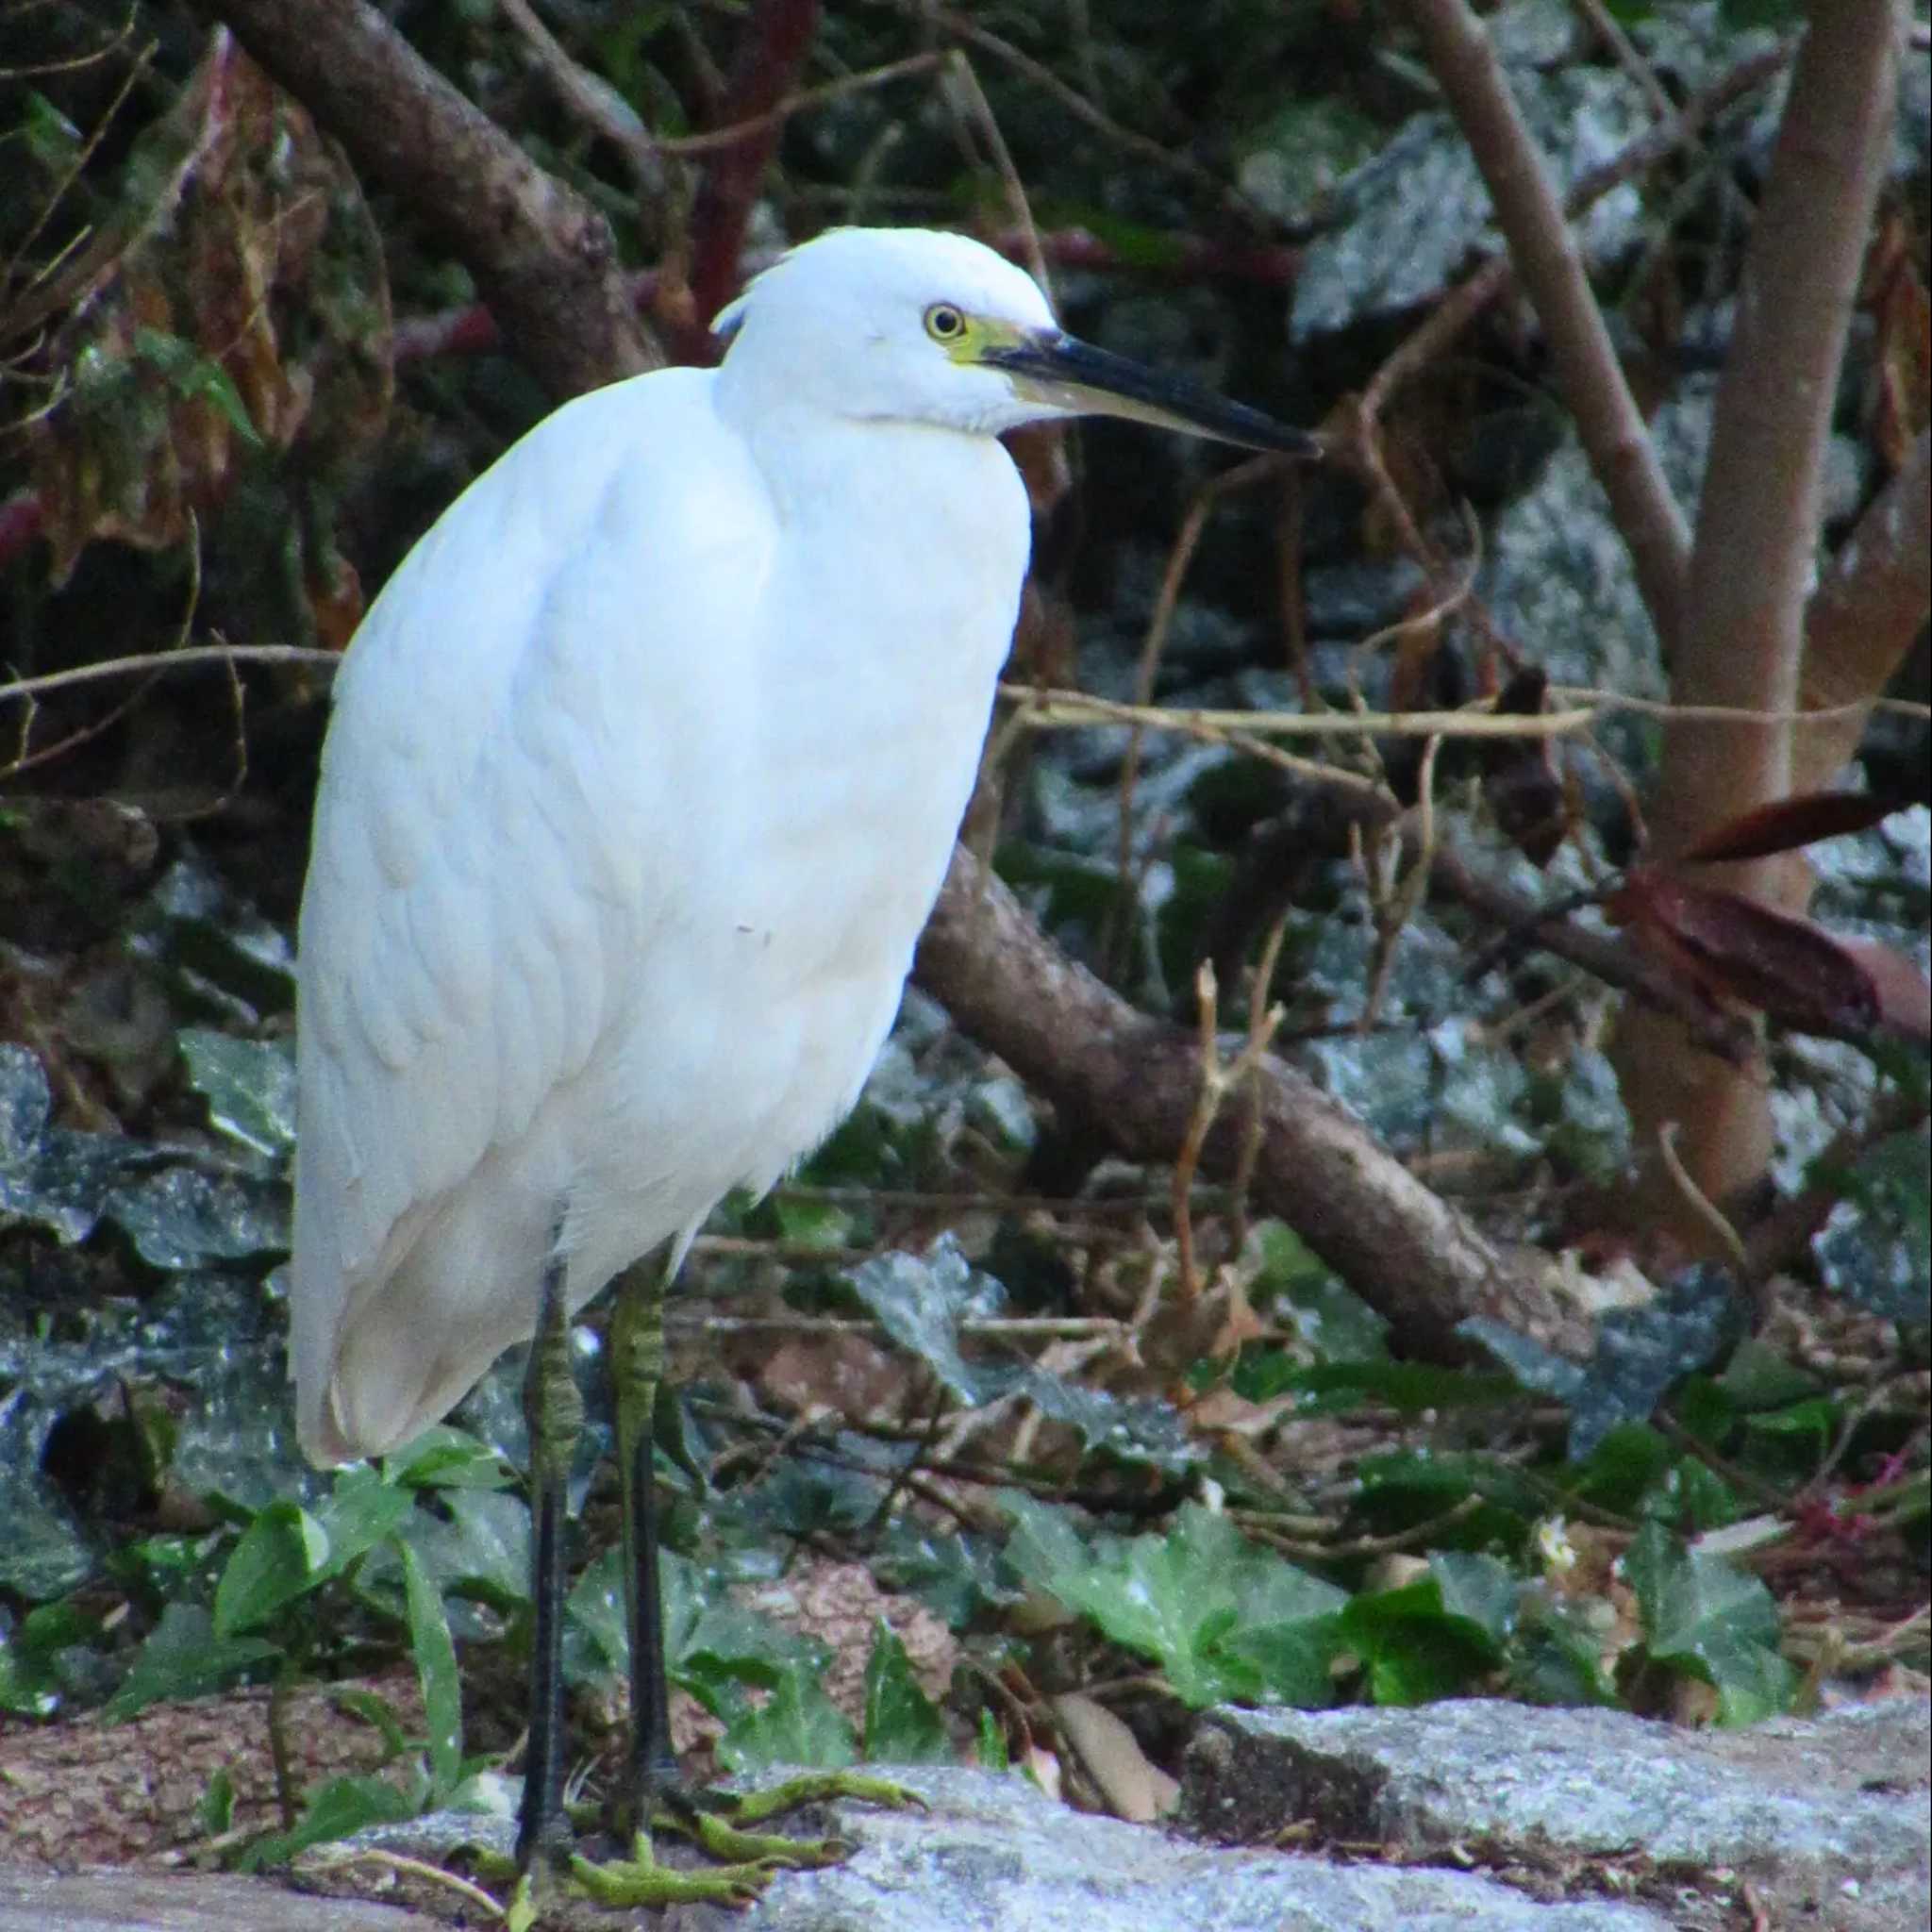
[(590, 98), (1134, 1080), (1549, 267), (776, 38), (541, 256), (1758, 520), (1865, 615), (1082, 109), (1743, 636), (1465, 302)]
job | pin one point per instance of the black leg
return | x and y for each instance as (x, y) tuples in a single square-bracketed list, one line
[(555, 1412), (654, 1763), (636, 1368), (747, 1859)]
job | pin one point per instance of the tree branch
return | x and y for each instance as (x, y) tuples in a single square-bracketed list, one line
[(1134, 1080), (1759, 516), (543, 258), (1864, 616), (774, 45), (1549, 268), (1743, 638)]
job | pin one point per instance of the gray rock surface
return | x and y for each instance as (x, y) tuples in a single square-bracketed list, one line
[(119, 1901), (993, 1855), (1826, 1818), (1595, 1821)]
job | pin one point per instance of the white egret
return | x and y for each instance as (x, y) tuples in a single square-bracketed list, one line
[(642, 775)]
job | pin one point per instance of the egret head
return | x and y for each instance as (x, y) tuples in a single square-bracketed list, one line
[(911, 324)]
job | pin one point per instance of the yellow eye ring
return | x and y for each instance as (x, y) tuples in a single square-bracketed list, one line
[(944, 324)]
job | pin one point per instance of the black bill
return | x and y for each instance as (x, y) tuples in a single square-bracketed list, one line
[(1073, 375)]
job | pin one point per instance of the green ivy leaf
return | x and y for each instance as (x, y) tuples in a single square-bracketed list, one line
[(32, 1681), (339, 1809), (797, 1725), (283, 1553), (249, 1086), (1409, 1487), (186, 1216), (1639, 1352), (445, 1457), (713, 1647), (1793, 1441), (183, 1658), (359, 1512), (1700, 1498), (901, 1726), (435, 1669), (1222, 1618), (1710, 1621), (1557, 1656), (1623, 1469), (921, 1300), (1478, 1591), (477, 1546), (1414, 1647), (596, 1638)]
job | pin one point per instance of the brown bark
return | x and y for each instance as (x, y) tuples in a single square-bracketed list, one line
[(1743, 638), (1864, 617), (1134, 1080), (1549, 268), (778, 37), (542, 258)]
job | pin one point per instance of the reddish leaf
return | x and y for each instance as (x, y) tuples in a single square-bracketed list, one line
[(240, 297), (1904, 994), (1785, 824), (1731, 947)]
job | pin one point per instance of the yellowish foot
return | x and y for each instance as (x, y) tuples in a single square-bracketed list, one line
[(641, 1880), (716, 1822), (819, 1788)]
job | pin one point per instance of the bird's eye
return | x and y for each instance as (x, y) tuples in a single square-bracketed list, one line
[(944, 322)]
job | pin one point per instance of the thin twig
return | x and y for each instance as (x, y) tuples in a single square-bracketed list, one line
[(1409, 893), (961, 76), (713, 137), (1264, 1019), (1609, 30), (151, 662), (773, 44), (326, 1857), (1083, 109), (1206, 1105), (591, 99), (1160, 621), (1706, 1210), (1001, 1329), (1463, 304), (1258, 1524), (1051, 709), (20, 316)]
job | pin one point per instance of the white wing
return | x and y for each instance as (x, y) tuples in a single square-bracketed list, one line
[(513, 729)]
